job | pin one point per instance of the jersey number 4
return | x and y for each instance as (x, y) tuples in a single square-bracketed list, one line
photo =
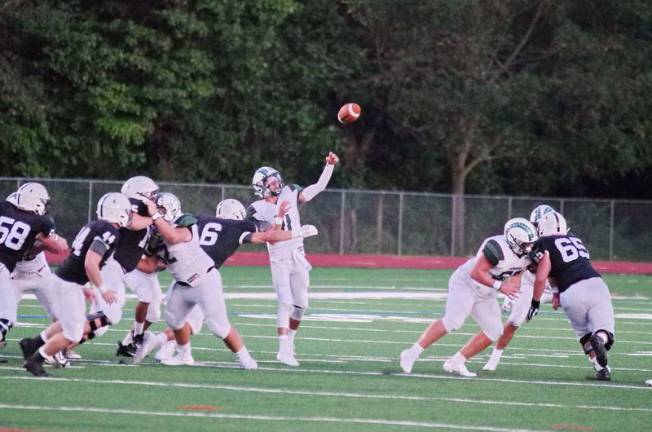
[(571, 248), (13, 233)]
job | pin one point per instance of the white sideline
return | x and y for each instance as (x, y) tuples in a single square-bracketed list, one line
[(331, 394), (367, 421)]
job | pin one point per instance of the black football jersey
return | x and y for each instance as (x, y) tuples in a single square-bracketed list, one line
[(569, 259), (220, 238), (131, 247), (72, 269), (18, 231)]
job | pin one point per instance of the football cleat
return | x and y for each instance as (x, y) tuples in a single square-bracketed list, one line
[(491, 364), (166, 351), (407, 361), (35, 366), (287, 357), (128, 350), (28, 347), (458, 368), (247, 362), (149, 345), (603, 374), (600, 350), (72, 355), (58, 360), (181, 359)]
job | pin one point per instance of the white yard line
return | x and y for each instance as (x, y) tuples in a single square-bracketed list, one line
[(367, 421), (311, 393)]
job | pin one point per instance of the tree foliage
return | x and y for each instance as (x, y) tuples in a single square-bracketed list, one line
[(520, 96)]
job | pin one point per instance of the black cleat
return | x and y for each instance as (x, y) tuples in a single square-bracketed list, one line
[(600, 350), (35, 365), (125, 350), (28, 346), (603, 375)]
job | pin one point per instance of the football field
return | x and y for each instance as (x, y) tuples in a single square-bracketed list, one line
[(349, 378)]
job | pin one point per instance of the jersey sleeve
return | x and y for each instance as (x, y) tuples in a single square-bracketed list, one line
[(252, 214), (247, 228), (104, 241), (47, 227), (493, 252), (186, 220)]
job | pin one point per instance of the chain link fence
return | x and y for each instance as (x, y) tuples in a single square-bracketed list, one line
[(387, 222)]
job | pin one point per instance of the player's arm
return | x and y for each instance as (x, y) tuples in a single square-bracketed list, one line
[(150, 264), (488, 259), (273, 236), (170, 234), (311, 191), (92, 267), (543, 271), (51, 243)]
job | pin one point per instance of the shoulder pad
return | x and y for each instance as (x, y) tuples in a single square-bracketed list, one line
[(185, 220), (493, 252)]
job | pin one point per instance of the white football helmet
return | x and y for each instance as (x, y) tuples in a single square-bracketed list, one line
[(33, 197), (169, 206), (114, 207), (231, 209), (12, 198), (538, 213), (552, 224), (520, 235), (140, 187), (259, 182)]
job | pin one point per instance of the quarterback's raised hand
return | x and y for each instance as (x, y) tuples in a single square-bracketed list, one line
[(332, 159), (534, 309)]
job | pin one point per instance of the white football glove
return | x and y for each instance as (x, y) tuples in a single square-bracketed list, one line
[(308, 231)]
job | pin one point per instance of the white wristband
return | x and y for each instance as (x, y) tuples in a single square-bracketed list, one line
[(278, 220), (496, 285)]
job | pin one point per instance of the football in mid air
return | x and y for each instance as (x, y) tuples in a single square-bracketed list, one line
[(349, 113)]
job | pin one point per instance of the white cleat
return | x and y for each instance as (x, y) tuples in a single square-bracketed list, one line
[(58, 360), (72, 355), (648, 382), (248, 363), (181, 359), (407, 361), (166, 351), (458, 369), (286, 357), (491, 365), (149, 345)]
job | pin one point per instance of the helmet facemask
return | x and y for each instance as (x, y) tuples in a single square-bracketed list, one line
[(263, 178), (520, 235)]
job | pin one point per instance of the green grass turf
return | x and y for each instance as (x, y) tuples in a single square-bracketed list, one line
[(349, 375)]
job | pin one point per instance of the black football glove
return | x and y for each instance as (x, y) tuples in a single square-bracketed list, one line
[(534, 309)]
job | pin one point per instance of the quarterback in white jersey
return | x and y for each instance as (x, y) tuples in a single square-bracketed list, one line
[(279, 206), (197, 282), (472, 290)]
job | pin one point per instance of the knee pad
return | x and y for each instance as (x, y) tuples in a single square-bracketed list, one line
[(610, 338), (297, 313), (219, 329)]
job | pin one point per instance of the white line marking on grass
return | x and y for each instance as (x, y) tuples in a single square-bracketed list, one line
[(349, 395), (368, 421)]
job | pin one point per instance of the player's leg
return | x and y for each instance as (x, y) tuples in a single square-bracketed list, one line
[(281, 268), (601, 319), (8, 304), (181, 300), (520, 307), (299, 285), (148, 309), (211, 301), (458, 306), (70, 307)]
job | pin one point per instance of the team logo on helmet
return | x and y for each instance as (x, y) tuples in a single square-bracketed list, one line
[(520, 235)]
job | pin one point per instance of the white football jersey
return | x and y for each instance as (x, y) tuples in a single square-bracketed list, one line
[(265, 211), (187, 261), (508, 263)]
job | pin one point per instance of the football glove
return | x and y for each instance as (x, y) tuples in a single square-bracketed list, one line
[(534, 309)]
